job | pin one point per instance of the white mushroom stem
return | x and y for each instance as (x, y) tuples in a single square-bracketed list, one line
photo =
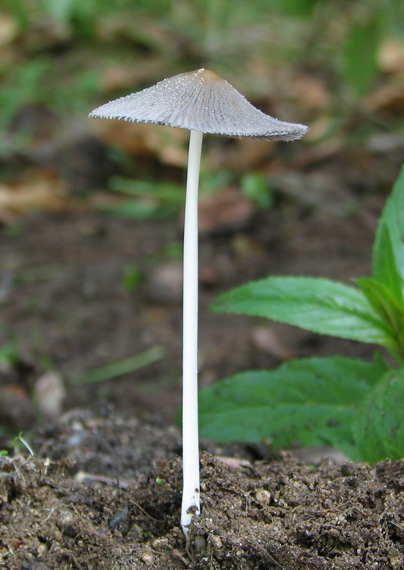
[(196, 100), (190, 438)]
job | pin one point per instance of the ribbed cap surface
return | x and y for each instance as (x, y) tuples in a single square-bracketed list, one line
[(202, 101)]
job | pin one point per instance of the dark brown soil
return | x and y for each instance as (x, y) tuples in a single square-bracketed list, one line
[(89, 499)]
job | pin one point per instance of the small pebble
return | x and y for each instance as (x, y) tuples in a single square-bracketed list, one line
[(263, 497), (200, 544), (147, 558), (50, 394), (164, 283)]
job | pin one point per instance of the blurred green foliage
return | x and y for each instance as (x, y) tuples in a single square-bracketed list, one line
[(23, 87), (306, 27), (9, 353), (255, 187), (132, 277), (359, 66), (121, 367), (147, 200), (63, 47)]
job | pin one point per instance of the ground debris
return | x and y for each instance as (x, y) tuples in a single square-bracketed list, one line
[(268, 514)]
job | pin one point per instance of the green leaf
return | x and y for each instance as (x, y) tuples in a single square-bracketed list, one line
[(392, 218), (255, 187), (318, 305), (151, 201), (359, 63), (386, 305), (296, 8), (132, 277), (60, 10), (309, 401), (379, 429), (20, 12), (140, 210), (145, 188), (126, 366), (384, 263)]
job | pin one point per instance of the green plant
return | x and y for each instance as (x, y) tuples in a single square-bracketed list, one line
[(25, 86), (126, 366), (147, 200), (356, 406), (132, 277), (255, 187), (9, 353), (20, 441)]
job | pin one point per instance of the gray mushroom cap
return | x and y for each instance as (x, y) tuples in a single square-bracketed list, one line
[(201, 101)]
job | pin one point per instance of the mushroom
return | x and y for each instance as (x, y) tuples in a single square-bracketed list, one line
[(202, 102)]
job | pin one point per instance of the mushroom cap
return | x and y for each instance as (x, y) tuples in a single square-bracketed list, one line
[(201, 101)]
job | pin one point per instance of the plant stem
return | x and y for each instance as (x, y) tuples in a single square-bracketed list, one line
[(190, 438)]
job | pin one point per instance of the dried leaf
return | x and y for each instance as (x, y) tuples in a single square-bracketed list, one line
[(8, 29), (312, 92), (391, 56), (146, 140), (387, 99), (266, 339), (19, 199), (225, 211)]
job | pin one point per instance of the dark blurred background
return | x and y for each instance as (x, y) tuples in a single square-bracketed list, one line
[(91, 211)]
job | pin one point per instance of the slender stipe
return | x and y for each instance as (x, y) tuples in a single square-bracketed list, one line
[(190, 439)]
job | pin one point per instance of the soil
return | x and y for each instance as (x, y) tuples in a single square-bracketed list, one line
[(89, 499), (103, 488)]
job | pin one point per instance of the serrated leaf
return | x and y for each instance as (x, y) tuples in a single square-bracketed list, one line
[(379, 429), (386, 305), (384, 264), (393, 218), (318, 305), (310, 401)]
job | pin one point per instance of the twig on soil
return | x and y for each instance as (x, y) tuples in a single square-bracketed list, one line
[(272, 559), (178, 555), (145, 513), (85, 477)]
